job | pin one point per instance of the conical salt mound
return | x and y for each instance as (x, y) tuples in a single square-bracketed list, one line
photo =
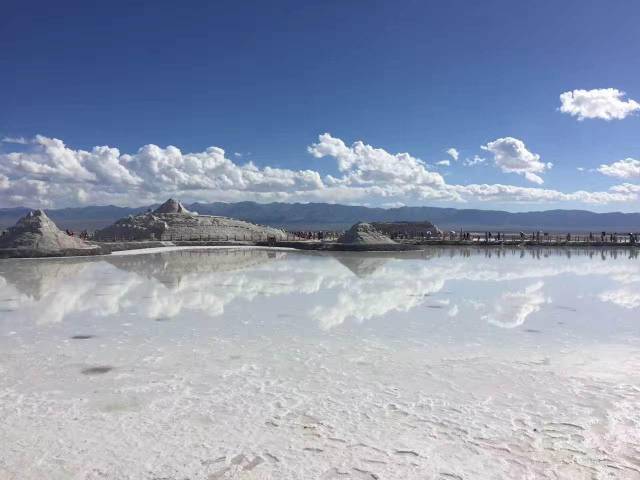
[(35, 234), (364, 234), (171, 206)]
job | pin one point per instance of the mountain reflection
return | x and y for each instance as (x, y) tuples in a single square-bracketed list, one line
[(502, 287)]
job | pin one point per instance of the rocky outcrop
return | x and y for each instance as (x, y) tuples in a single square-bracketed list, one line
[(172, 222), (35, 235), (364, 234)]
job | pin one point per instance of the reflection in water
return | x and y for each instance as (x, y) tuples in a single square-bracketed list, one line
[(338, 287), (171, 267), (624, 297), (361, 265), (254, 363), (513, 307), (155, 285)]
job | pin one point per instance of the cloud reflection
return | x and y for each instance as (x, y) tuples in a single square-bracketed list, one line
[(514, 306), (624, 297), (502, 287)]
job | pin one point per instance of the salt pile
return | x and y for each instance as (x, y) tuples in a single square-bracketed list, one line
[(364, 234), (172, 221), (36, 235)]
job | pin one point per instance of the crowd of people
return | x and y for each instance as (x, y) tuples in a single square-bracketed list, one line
[(536, 237), (541, 237), (319, 235), (84, 234), (488, 237)]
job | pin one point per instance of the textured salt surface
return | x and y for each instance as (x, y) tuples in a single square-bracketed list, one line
[(218, 364)]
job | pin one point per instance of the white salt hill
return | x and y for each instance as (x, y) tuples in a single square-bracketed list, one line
[(171, 221), (172, 206), (36, 235), (364, 234)]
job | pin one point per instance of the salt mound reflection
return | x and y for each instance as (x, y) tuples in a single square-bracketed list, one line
[(338, 288)]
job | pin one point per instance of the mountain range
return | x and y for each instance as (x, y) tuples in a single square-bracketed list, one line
[(324, 216)]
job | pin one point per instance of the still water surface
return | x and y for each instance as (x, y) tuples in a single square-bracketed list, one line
[(254, 364)]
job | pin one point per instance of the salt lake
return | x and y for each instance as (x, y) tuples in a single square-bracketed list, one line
[(248, 363)]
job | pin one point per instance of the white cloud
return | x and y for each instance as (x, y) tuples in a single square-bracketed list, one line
[(499, 192), (393, 205), (604, 103), (511, 156), (444, 163), (626, 188), (453, 153), (50, 174), (365, 165), (627, 168), (18, 140), (476, 160)]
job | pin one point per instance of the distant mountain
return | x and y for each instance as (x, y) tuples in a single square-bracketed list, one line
[(91, 218), (298, 216), (328, 216)]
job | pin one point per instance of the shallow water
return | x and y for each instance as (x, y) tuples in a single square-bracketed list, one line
[(453, 363)]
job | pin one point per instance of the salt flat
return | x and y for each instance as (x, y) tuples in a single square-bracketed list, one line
[(453, 363)]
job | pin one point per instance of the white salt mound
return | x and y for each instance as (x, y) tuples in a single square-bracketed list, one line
[(37, 232), (172, 221), (364, 234), (171, 206)]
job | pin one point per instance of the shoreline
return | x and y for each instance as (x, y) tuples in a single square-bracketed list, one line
[(136, 247)]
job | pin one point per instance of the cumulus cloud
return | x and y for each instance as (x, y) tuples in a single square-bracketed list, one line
[(511, 156), (476, 160), (627, 168), (453, 153), (51, 174), (365, 165), (444, 163), (604, 103), (626, 188)]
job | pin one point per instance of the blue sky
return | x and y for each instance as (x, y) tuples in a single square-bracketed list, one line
[(265, 79)]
